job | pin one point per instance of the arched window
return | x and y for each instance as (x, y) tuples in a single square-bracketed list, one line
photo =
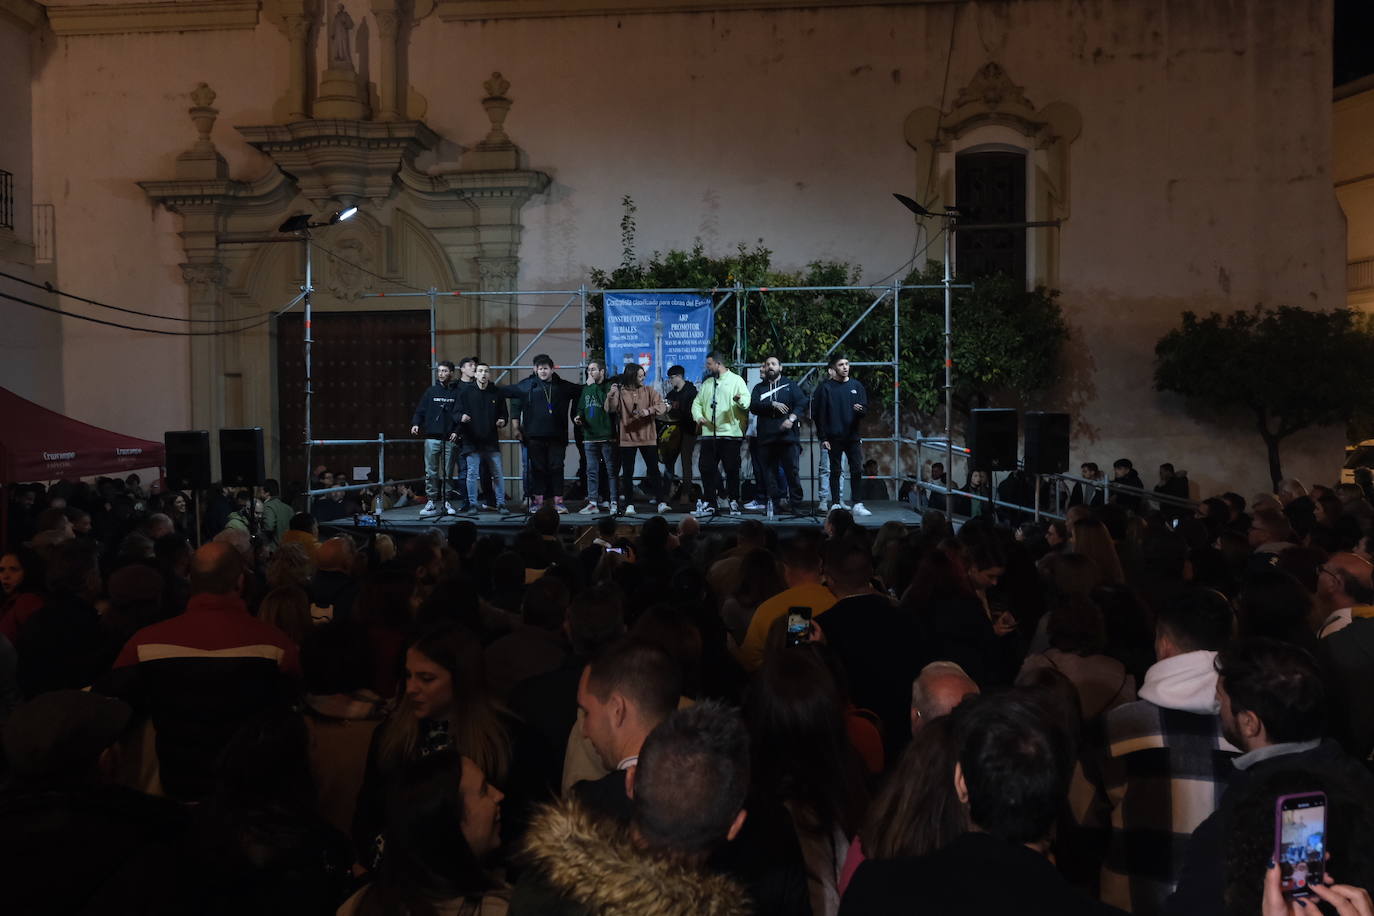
[(1000, 159), (990, 187)]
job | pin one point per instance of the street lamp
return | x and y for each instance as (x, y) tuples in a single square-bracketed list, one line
[(301, 225)]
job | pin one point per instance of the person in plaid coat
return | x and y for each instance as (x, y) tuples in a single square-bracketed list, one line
[(1165, 763)]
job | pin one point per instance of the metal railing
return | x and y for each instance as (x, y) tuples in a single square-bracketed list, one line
[(721, 296), (1061, 485)]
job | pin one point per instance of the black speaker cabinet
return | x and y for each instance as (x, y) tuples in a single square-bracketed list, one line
[(188, 459), (992, 439), (241, 459), (1047, 442)]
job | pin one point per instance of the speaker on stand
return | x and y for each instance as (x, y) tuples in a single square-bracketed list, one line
[(1047, 446), (188, 465), (243, 464)]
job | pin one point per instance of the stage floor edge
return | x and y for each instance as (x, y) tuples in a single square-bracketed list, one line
[(407, 520)]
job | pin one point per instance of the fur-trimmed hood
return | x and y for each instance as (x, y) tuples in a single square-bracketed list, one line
[(596, 865)]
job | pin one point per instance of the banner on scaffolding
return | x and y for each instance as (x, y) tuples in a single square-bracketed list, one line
[(658, 330)]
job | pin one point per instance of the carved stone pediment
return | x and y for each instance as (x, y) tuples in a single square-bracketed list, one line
[(992, 96), (343, 161)]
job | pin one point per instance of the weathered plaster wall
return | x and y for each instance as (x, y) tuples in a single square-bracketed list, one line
[(30, 337), (1201, 178)]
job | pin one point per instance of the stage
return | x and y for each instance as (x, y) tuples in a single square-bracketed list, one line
[(406, 521)]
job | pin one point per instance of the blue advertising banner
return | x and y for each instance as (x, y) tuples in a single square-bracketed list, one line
[(658, 330)]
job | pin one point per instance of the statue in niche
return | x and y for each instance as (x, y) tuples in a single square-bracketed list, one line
[(340, 29)]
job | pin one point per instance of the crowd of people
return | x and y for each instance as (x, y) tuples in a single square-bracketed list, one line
[(1093, 715)]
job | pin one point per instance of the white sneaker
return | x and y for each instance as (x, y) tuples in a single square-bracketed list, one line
[(754, 506), (449, 510), (430, 510), (588, 509), (629, 508), (664, 507), (837, 506), (560, 508), (860, 510), (734, 507), (704, 509)]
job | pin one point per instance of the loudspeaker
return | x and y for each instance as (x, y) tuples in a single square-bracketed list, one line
[(1047, 442), (241, 459), (188, 459), (992, 439)]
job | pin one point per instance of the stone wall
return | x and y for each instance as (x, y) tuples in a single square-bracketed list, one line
[(1200, 176)]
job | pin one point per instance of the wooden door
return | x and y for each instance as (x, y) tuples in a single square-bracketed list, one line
[(369, 370)]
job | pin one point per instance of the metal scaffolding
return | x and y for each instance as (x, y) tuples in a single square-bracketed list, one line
[(739, 296)]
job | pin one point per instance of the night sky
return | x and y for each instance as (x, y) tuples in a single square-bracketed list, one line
[(1354, 40)]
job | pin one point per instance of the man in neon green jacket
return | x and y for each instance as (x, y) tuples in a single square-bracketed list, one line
[(721, 410)]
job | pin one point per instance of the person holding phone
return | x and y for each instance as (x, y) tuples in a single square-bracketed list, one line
[(1273, 707)]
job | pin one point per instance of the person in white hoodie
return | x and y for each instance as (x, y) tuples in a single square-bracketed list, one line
[(1166, 763)]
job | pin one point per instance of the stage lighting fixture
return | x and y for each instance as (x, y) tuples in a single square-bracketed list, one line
[(295, 223), (343, 215), (912, 205)]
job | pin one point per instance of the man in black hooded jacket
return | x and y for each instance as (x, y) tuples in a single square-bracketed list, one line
[(547, 407), (436, 417)]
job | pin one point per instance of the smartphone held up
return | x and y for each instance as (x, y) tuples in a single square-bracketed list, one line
[(1300, 842), (798, 626)]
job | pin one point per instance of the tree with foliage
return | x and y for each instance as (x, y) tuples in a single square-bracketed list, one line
[(1007, 340), (1289, 368)]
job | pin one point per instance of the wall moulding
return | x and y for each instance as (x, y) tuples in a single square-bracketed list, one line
[(185, 16), (25, 12), (473, 10)]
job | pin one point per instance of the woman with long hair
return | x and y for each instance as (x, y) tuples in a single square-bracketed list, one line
[(287, 607), (445, 705), (759, 580), (1078, 640), (803, 760), (917, 810), (22, 576), (638, 406), (442, 819), (1092, 539)]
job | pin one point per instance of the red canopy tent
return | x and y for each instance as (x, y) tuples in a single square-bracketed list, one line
[(41, 444)]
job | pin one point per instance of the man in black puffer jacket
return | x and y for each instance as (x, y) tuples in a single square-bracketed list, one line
[(548, 401)]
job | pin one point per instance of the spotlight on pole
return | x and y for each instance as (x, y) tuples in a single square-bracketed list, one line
[(343, 215), (912, 205), (295, 223)]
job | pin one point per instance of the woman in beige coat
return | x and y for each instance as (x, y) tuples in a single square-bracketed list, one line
[(637, 405)]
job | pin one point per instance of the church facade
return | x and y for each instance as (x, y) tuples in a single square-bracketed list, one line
[(1181, 150)]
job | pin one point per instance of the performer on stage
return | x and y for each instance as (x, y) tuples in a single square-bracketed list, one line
[(548, 402), (598, 436), (436, 416), (638, 406), (778, 403), (467, 372), (722, 410), (679, 436), (838, 407), (483, 415)]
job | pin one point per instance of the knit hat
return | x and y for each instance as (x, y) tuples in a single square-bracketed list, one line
[(62, 731)]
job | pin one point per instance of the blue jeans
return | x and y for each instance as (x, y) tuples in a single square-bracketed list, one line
[(823, 478), (597, 452), (498, 484), (435, 450)]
